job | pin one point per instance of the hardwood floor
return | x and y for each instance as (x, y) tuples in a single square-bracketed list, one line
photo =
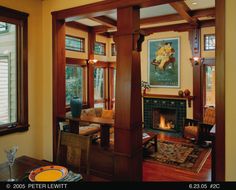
[(151, 171), (158, 172)]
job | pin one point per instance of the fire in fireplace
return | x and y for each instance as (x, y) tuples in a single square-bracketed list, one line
[(164, 119)]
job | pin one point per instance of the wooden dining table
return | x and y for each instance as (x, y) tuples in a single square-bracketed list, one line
[(105, 124), (24, 164)]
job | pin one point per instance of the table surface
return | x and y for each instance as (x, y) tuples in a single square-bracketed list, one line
[(25, 164), (21, 166), (92, 119)]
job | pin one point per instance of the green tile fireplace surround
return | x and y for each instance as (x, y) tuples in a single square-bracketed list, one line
[(175, 106)]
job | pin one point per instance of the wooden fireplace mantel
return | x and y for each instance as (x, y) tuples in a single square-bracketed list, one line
[(165, 96)]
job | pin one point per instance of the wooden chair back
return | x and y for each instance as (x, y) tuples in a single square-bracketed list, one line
[(73, 149), (209, 116)]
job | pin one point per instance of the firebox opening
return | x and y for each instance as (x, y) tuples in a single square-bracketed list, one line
[(164, 119)]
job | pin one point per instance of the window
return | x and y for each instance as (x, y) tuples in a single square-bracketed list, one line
[(209, 42), (100, 48), (99, 87), (113, 49), (74, 82), (4, 27), (210, 86), (13, 71), (75, 43)]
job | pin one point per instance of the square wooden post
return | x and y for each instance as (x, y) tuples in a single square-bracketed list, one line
[(128, 116)]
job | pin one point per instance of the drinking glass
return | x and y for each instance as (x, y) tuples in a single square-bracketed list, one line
[(11, 156)]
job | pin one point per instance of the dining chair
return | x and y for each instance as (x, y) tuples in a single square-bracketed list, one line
[(74, 151)]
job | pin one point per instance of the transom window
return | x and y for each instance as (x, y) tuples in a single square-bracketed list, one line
[(209, 42), (75, 43), (100, 48)]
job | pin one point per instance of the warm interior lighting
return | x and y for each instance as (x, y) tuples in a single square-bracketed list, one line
[(194, 3), (196, 60), (164, 124), (92, 61)]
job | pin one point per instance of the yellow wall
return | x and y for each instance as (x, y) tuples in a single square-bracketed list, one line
[(30, 142), (186, 69), (48, 7), (208, 30), (230, 91), (38, 140)]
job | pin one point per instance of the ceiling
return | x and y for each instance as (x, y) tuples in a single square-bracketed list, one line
[(155, 11)]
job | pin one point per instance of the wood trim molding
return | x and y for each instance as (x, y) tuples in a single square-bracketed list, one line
[(219, 156), (76, 61), (59, 62)]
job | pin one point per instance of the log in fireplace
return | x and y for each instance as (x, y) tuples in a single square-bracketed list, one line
[(164, 119), (164, 113)]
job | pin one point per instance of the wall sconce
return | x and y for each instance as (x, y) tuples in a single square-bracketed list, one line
[(196, 60), (92, 61)]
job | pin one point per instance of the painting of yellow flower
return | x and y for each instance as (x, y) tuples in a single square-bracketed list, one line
[(163, 62)]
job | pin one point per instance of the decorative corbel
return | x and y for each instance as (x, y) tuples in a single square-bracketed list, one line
[(138, 38)]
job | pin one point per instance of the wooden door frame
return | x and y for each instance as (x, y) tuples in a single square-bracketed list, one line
[(58, 18)]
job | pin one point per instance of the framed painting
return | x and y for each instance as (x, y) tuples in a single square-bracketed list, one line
[(164, 63)]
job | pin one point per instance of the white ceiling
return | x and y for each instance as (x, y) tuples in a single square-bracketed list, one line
[(200, 4), (88, 22), (156, 11), (151, 11)]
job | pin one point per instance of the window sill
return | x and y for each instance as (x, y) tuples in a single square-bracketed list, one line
[(18, 128)]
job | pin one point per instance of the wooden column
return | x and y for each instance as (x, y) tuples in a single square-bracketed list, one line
[(91, 42), (194, 38), (128, 116), (59, 64)]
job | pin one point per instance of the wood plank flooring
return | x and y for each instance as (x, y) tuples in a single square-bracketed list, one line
[(158, 172)]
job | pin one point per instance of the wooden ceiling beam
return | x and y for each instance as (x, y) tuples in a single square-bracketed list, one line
[(184, 11), (107, 5), (209, 12), (78, 25), (174, 27), (100, 29), (104, 20)]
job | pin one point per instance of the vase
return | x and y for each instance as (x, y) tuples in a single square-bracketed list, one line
[(75, 106)]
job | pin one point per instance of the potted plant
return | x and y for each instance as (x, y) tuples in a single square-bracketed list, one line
[(145, 86)]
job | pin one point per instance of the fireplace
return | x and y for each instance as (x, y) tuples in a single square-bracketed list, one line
[(166, 114), (164, 119)]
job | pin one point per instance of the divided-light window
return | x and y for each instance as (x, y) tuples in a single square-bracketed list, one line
[(74, 82), (13, 71), (99, 48)]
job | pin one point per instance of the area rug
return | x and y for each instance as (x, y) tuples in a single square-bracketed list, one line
[(183, 156)]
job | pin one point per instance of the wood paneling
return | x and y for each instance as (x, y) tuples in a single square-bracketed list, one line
[(219, 156)]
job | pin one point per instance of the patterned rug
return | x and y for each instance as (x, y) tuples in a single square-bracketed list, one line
[(183, 156)]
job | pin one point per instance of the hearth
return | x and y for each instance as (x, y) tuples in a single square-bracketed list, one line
[(164, 119), (164, 114)]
